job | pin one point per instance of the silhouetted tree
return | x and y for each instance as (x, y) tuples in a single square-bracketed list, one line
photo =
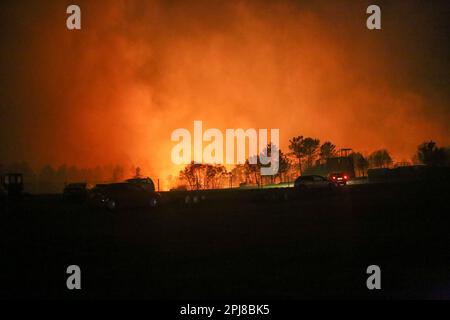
[(304, 148), (238, 175), (297, 150), (430, 154), (360, 162), (213, 175), (327, 150), (188, 175), (310, 147), (253, 170), (380, 159), (203, 176), (284, 166), (283, 161)]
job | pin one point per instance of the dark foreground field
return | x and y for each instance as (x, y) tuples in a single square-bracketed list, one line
[(315, 247)]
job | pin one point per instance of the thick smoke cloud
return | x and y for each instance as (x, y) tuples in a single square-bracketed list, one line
[(114, 91)]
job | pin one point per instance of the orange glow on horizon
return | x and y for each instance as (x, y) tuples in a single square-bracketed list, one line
[(114, 92)]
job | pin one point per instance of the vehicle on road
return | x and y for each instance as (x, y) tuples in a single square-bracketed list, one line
[(76, 191), (124, 195), (340, 178), (313, 182)]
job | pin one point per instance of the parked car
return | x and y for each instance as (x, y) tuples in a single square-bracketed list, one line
[(76, 191), (339, 178), (124, 195), (313, 182)]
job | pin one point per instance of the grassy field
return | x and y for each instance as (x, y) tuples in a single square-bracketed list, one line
[(318, 246)]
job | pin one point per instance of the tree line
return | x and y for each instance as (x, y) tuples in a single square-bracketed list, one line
[(304, 153)]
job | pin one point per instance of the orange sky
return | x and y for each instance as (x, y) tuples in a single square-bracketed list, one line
[(113, 92)]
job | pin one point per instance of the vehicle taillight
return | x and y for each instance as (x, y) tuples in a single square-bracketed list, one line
[(345, 177), (334, 178)]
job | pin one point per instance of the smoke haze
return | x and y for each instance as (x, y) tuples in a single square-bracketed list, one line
[(114, 91)]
